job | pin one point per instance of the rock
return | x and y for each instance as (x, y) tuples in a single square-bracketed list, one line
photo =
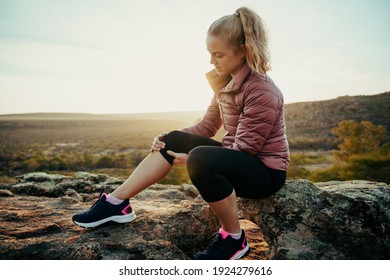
[(41, 177), (191, 190), (333, 220), (37, 189), (95, 178), (52, 185), (70, 193), (85, 251), (6, 193), (36, 222), (146, 250)]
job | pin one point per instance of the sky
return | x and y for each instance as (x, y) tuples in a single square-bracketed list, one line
[(125, 56)]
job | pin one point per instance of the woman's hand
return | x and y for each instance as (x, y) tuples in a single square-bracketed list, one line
[(158, 144), (180, 158)]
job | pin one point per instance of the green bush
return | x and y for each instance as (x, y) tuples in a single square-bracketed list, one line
[(329, 174), (296, 172), (372, 167), (364, 153)]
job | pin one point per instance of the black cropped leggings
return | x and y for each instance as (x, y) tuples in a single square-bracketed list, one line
[(216, 171)]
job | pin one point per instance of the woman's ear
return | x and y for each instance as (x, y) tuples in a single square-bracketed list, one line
[(243, 51)]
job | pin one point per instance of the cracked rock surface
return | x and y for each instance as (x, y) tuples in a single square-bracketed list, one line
[(172, 222)]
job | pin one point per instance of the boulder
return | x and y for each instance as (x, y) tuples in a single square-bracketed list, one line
[(333, 220), (172, 221)]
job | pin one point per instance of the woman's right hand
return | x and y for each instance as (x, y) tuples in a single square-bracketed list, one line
[(158, 144)]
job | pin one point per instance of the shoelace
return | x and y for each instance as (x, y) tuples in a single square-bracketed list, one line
[(100, 195), (214, 241)]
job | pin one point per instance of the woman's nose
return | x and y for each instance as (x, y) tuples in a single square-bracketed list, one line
[(212, 60)]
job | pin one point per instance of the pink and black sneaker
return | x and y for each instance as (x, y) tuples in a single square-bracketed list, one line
[(224, 247), (102, 212)]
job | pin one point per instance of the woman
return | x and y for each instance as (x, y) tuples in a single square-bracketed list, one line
[(252, 159)]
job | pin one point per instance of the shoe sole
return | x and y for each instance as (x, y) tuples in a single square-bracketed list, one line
[(118, 219), (242, 253)]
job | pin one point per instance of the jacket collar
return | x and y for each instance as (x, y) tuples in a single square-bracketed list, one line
[(236, 82), (227, 83)]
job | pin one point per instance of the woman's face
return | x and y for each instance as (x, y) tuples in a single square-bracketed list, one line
[(225, 59)]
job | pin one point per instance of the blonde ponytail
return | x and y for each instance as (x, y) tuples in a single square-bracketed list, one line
[(245, 27)]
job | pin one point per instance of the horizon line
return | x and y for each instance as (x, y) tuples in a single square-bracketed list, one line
[(172, 111)]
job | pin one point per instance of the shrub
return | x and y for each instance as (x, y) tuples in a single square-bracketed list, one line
[(373, 167), (296, 172), (358, 138)]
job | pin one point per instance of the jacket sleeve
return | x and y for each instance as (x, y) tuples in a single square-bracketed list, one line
[(260, 111), (210, 123)]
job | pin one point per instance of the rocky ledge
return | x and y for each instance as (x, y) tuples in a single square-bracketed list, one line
[(334, 220), (172, 222)]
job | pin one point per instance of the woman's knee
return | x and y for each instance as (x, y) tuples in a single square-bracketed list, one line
[(197, 157), (201, 162), (203, 169), (172, 136), (171, 141)]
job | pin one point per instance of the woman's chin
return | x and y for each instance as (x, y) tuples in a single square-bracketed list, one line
[(219, 72)]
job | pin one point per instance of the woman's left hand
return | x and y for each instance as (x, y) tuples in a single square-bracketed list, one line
[(180, 158)]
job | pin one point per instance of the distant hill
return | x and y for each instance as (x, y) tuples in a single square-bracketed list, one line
[(315, 120), (309, 124)]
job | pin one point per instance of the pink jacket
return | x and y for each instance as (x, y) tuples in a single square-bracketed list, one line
[(250, 107)]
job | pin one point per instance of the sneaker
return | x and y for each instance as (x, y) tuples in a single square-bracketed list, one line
[(227, 248), (102, 212)]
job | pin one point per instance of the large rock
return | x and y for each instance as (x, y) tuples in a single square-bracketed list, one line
[(334, 220), (173, 222)]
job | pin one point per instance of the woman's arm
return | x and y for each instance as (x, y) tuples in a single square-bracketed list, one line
[(210, 123)]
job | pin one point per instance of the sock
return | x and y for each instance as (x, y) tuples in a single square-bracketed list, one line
[(113, 200), (233, 235)]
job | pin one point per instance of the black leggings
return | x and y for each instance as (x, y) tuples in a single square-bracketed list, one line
[(216, 171)]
